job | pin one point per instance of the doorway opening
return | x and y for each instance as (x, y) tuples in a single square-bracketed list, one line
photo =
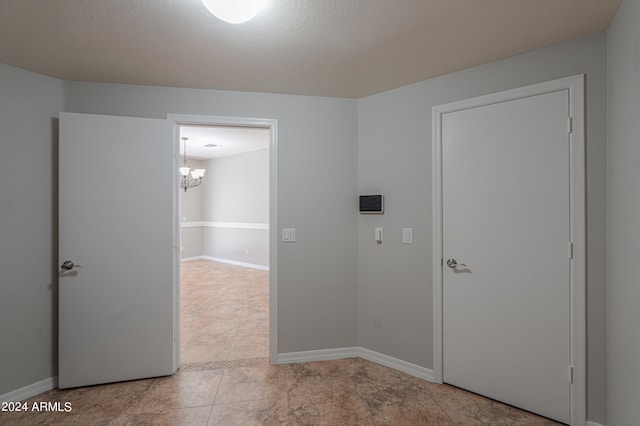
[(225, 296)]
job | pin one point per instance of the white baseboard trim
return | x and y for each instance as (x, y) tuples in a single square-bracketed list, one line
[(397, 364), (356, 352), (228, 225), (236, 262), (229, 261), (189, 259), (30, 390), (593, 424), (318, 355), (285, 358)]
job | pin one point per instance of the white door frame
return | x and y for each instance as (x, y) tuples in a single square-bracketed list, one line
[(272, 125), (575, 86)]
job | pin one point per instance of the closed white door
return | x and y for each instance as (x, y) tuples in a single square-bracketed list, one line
[(116, 233), (506, 224)]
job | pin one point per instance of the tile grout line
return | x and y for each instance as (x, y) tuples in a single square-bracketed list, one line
[(213, 402)]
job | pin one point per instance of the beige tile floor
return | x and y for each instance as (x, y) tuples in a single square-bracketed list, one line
[(224, 312), (227, 389)]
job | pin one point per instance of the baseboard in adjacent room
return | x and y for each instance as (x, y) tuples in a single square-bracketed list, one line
[(593, 424), (236, 262), (228, 261), (192, 258), (30, 390)]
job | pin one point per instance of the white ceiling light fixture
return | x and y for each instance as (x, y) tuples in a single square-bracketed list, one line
[(189, 178), (234, 11)]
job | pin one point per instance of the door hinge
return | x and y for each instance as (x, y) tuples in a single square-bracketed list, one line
[(571, 374), (569, 125), (570, 249)]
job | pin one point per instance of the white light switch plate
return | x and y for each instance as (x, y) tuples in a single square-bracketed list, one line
[(407, 235), (288, 235)]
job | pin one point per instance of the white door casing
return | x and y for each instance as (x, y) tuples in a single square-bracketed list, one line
[(117, 192), (509, 203), (176, 121)]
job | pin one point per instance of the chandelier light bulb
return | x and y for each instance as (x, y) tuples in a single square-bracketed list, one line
[(234, 11)]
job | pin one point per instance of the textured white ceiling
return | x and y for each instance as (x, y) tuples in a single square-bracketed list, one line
[(347, 48)]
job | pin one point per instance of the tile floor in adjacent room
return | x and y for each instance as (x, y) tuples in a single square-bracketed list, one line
[(224, 312), (233, 384)]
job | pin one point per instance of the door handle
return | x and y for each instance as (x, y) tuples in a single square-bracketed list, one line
[(453, 264), (67, 265)]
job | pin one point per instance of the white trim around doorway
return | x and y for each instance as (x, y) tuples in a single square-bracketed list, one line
[(272, 125)]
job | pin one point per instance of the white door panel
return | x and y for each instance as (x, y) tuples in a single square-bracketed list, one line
[(116, 221), (506, 216)]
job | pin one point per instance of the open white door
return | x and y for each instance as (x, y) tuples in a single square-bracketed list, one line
[(116, 224)]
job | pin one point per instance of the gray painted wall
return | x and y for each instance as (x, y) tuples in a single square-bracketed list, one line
[(623, 216), (250, 246), (29, 106), (237, 190), (394, 158), (317, 155), (191, 241)]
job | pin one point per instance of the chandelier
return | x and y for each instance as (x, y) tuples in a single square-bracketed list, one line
[(189, 178)]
